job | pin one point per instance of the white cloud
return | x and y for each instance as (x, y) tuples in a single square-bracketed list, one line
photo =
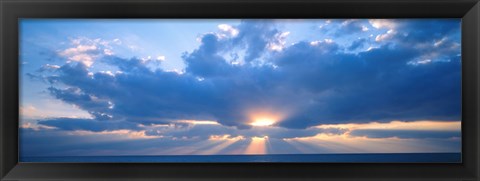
[(120, 134), (161, 58), (389, 34), (117, 41), (108, 73), (80, 49), (424, 61), (51, 108), (382, 23), (111, 105), (228, 29), (328, 40), (150, 59), (315, 43), (278, 43), (364, 28), (49, 67), (421, 125), (439, 42), (429, 58), (108, 52), (179, 72), (226, 137), (35, 127), (87, 50)]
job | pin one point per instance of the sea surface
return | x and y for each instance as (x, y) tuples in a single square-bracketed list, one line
[(323, 158)]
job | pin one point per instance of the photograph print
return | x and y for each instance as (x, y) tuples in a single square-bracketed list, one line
[(233, 90)]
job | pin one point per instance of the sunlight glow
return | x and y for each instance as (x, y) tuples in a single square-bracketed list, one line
[(225, 137), (265, 117), (400, 125), (258, 145), (331, 143), (120, 134), (263, 122), (224, 142)]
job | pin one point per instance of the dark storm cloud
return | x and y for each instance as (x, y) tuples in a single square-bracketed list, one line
[(311, 83)]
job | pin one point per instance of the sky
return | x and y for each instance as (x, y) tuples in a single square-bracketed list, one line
[(102, 87)]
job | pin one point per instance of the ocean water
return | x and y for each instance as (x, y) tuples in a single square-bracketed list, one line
[(322, 158)]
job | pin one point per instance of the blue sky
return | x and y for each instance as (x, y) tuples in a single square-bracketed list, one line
[(165, 87)]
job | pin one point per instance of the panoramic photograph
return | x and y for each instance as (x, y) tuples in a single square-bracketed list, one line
[(240, 90)]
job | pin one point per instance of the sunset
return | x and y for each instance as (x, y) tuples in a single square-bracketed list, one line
[(228, 87)]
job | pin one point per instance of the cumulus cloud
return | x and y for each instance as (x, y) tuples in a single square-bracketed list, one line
[(228, 29), (255, 36), (310, 83), (279, 42), (81, 53), (87, 50)]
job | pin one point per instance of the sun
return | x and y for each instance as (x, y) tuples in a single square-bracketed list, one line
[(262, 122)]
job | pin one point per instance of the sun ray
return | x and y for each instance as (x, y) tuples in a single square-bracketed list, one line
[(257, 146), (224, 142), (216, 149)]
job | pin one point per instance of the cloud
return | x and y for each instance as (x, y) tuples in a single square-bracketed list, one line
[(389, 34), (81, 53), (324, 143), (406, 134), (228, 29), (48, 67), (35, 127), (402, 30), (72, 124), (205, 61), (383, 23), (322, 95), (400, 125), (255, 35), (360, 43), (161, 58), (352, 26), (278, 43), (344, 27), (209, 139), (308, 83), (87, 50), (421, 129), (373, 85)]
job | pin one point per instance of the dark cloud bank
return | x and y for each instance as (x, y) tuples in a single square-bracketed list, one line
[(314, 83)]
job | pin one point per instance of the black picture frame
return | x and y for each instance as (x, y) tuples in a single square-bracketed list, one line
[(12, 10)]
